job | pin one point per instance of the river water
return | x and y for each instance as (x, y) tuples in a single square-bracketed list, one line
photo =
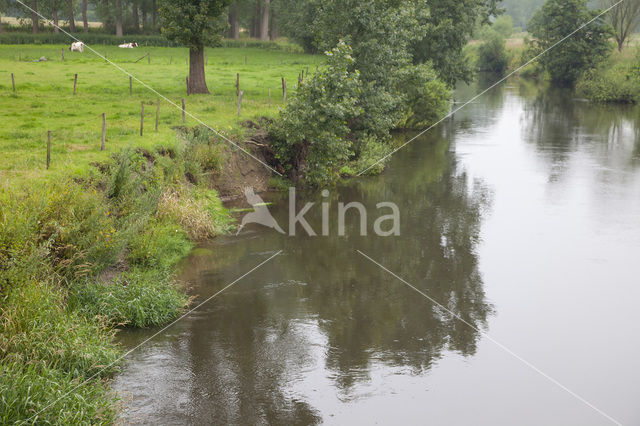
[(520, 215)]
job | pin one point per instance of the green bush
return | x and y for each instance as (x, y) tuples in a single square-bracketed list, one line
[(616, 84), (493, 56), (425, 97), (137, 298), (311, 136)]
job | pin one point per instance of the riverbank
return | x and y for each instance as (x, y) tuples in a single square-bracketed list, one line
[(82, 256), (90, 244)]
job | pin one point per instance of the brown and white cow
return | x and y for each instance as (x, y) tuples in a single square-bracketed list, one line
[(77, 46), (128, 45)]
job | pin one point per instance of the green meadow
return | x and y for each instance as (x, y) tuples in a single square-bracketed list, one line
[(44, 100)]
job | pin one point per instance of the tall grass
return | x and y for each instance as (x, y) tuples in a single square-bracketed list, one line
[(81, 256)]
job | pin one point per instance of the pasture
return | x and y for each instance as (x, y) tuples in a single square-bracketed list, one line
[(44, 100)]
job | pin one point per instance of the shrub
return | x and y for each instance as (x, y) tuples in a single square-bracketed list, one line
[(493, 56), (616, 84), (425, 97), (311, 136)]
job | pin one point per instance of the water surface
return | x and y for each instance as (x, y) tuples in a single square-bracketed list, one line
[(521, 215)]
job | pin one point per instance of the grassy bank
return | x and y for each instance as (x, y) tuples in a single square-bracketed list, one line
[(91, 244)]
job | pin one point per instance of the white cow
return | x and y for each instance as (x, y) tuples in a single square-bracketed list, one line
[(128, 45), (77, 46)]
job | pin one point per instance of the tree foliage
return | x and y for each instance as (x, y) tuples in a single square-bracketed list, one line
[(193, 23), (312, 135), (492, 55), (446, 27), (580, 52)]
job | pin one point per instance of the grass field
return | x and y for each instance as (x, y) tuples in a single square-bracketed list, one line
[(44, 100)]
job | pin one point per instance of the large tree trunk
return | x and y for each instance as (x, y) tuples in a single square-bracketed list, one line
[(85, 22), (136, 18), (154, 14), (197, 81), (144, 18), (54, 10), (264, 25), (0, 23), (234, 26), (72, 21), (255, 22), (34, 16), (119, 18), (273, 34)]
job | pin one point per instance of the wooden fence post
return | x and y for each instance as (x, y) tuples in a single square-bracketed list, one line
[(104, 132), (149, 58), (48, 148), (62, 53), (183, 111), (240, 103), (157, 114), (141, 117), (284, 96), (75, 83), (238, 84), (170, 60), (13, 82), (130, 85)]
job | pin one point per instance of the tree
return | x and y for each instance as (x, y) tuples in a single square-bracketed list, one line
[(35, 20), (85, 22), (447, 27), (118, 11), (234, 26), (72, 21), (196, 24), (54, 12), (264, 24), (584, 50), (311, 136), (624, 18)]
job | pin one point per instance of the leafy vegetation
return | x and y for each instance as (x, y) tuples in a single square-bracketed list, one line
[(376, 41), (80, 256), (580, 52), (616, 81), (493, 56), (195, 24)]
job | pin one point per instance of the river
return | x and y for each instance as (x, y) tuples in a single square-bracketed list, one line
[(520, 215)]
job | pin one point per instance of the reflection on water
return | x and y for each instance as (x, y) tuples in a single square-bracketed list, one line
[(321, 335)]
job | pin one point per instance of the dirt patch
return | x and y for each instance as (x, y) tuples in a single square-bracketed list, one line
[(241, 170)]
